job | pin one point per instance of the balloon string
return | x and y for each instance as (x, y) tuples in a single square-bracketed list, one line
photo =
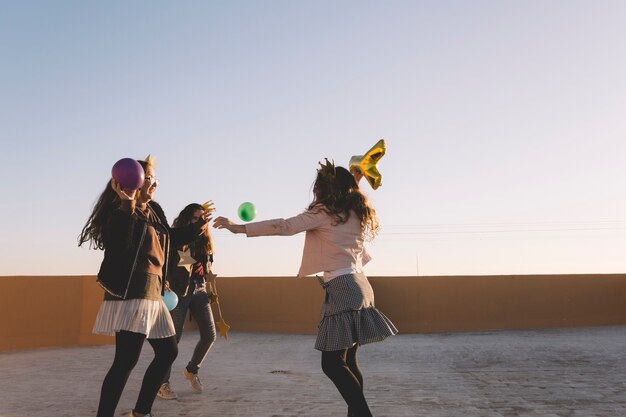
[(221, 321)]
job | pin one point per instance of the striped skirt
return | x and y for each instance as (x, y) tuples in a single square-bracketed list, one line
[(149, 317), (349, 316)]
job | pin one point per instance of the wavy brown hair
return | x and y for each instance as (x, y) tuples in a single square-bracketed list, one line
[(203, 245), (338, 193)]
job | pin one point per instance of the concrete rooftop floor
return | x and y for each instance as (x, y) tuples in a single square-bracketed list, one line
[(546, 373)]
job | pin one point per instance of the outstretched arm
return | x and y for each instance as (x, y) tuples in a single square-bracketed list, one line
[(224, 223), (186, 234), (310, 219)]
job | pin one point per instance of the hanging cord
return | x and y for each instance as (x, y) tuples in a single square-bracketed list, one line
[(214, 298)]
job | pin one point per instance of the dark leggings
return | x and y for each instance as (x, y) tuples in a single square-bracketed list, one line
[(127, 350), (342, 367)]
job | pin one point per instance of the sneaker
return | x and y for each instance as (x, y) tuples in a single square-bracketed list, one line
[(135, 415), (193, 379), (166, 392)]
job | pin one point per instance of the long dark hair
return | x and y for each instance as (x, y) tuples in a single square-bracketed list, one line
[(108, 201), (96, 223), (337, 192), (203, 245)]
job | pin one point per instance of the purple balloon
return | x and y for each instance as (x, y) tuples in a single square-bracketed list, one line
[(128, 173)]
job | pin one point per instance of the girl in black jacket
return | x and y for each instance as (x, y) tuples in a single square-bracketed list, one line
[(188, 279), (135, 236)]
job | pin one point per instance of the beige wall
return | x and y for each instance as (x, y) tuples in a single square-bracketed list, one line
[(48, 311), (59, 310)]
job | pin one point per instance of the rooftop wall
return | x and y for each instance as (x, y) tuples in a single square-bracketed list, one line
[(41, 311)]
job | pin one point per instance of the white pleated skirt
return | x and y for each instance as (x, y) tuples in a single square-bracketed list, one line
[(149, 317)]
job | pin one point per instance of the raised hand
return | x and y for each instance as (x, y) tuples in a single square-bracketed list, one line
[(123, 194), (207, 216), (356, 173), (208, 209)]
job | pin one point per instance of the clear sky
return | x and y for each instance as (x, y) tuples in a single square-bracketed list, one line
[(504, 120)]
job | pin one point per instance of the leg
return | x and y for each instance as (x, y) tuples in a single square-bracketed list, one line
[(335, 367), (178, 317), (165, 351), (127, 350), (201, 311), (353, 364)]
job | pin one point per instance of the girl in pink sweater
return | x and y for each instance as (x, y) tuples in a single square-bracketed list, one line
[(336, 224)]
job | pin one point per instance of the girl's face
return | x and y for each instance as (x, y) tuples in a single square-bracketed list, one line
[(196, 216), (149, 185)]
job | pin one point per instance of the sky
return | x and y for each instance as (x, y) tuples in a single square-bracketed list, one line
[(504, 123)]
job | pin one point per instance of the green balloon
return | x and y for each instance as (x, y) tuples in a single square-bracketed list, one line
[(246, 211)]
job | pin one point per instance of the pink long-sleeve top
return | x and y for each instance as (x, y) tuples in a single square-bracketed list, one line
[(327, 246)]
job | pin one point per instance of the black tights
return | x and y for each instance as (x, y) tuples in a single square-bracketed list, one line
[(342, 367), (127, 350)]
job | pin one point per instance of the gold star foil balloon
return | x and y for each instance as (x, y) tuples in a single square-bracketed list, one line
[(186, 261), (368, 163), (211, 280), (224, 328)]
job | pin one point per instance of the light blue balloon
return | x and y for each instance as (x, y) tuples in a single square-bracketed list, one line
[(170, 299)]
